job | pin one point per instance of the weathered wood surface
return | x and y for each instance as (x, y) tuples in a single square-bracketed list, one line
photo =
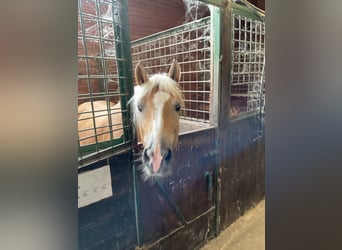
[(148, 17), (242, 174), (188, 187), (109, 224)]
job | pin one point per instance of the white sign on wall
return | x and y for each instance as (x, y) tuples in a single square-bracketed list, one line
[(94, 185)]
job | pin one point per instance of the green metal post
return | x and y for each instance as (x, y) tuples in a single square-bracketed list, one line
[(136, 194), (124, 61), (215, 28), (125, 73), (224, 101)]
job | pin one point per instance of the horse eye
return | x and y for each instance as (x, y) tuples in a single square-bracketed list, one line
[(178, 107), (140, 107)]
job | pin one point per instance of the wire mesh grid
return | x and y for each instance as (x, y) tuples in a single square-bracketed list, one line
[(248, 65), (100, 87), (190, 45)]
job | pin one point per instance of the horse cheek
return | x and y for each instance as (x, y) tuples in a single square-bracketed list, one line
[(140, 132), (176, 132), (170, 125)]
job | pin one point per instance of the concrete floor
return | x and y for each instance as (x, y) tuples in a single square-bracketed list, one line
[(246, 233)]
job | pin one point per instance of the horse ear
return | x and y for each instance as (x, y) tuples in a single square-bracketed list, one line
[(140, 74), (175, 71)]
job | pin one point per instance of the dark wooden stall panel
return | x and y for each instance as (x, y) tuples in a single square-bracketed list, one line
[(190, 237), (147, 17), (109, 223), (242, 174), (259, 3), (190, 189)]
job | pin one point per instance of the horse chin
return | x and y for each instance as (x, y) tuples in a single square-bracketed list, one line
[(149, 175)]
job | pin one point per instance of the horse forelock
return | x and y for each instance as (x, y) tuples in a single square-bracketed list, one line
[(156, 83), (166, 84)]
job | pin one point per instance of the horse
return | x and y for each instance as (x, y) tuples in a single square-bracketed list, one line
[(98, 112), (155, 108)]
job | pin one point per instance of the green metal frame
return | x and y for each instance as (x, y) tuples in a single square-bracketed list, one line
[(250, 12), (216, 17), (136, 202), (215, 27), (123, 50), (125, 75), (91, 148)]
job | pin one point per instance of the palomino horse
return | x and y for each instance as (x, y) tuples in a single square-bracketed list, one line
[(155, 107), (98, 113)]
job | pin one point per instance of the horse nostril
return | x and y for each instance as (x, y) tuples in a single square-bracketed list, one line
[(145, 155), (168, 155)]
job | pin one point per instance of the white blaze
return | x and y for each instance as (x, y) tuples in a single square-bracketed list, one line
[(159, 100)]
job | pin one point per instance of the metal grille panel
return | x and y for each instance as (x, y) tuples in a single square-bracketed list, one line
[(190, 45), (247, 74), (103, 74)]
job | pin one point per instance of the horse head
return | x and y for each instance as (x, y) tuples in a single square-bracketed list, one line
[(156, 104)]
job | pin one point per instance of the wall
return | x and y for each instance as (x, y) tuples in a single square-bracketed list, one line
[(147, 17)]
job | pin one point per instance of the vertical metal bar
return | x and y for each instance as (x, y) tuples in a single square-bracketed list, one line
[(136, 196), (84, 41), (125, 74), (215, 27), (261, 97), (124, 61), (216, 88), (103, 72)]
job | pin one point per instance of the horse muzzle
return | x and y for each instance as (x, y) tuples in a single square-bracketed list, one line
[(157, 158)]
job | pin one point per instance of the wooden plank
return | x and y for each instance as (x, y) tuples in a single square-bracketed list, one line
[(109, 223), (224, 107), (190, 237), (189, 126), (242, 178), (187, 186), (148, 17)]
